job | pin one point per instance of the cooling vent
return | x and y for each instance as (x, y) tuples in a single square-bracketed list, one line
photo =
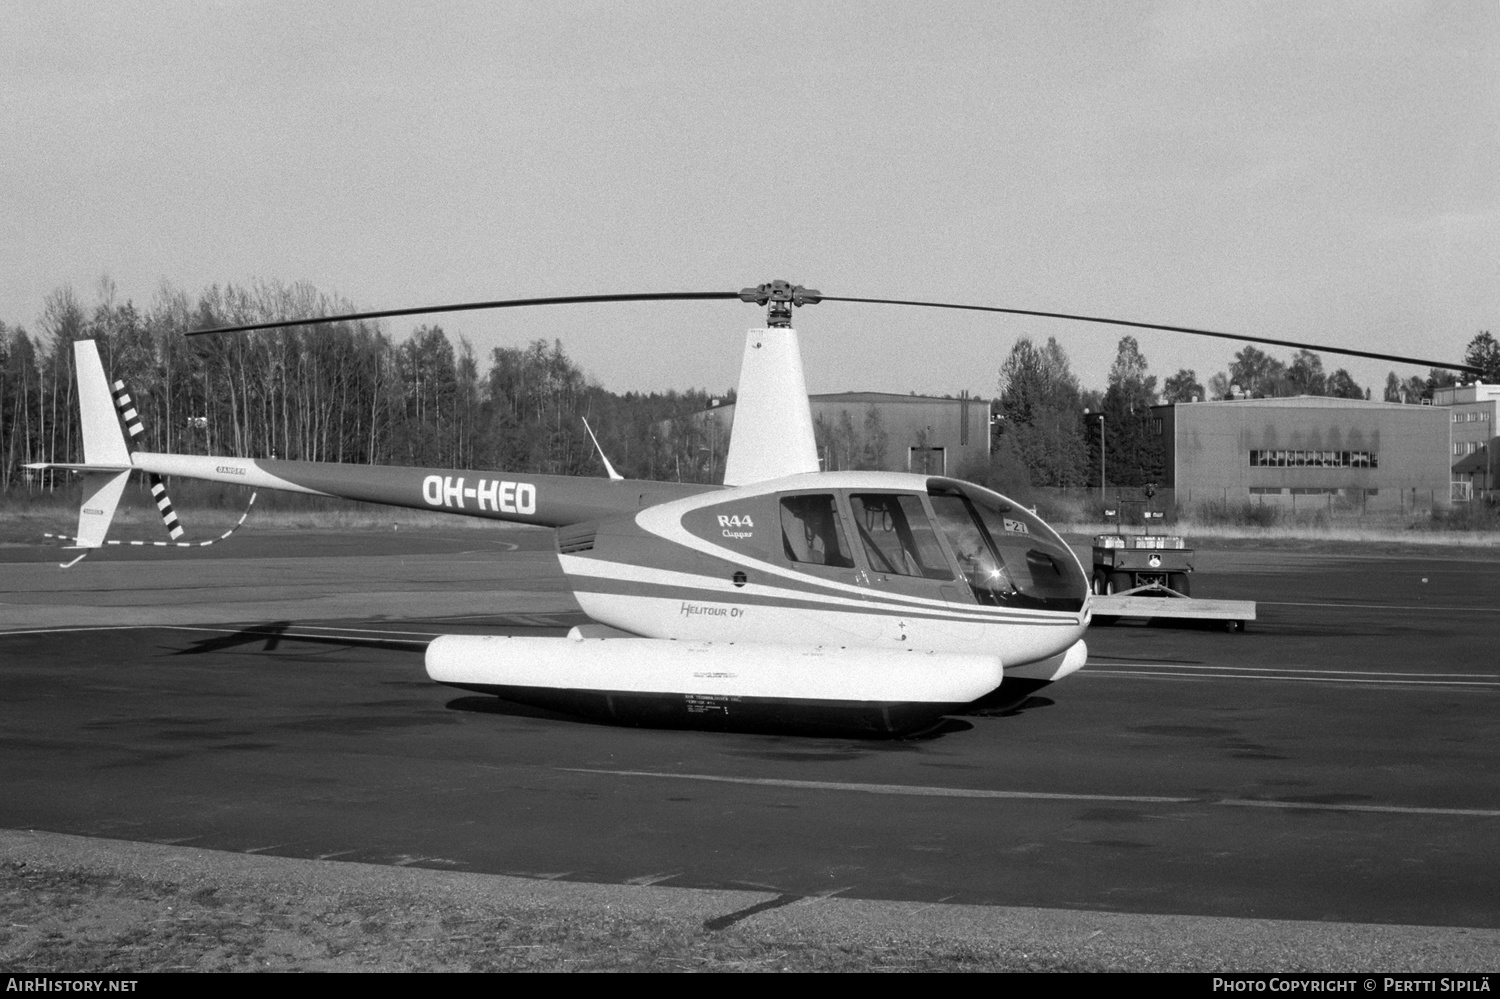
[(577, 538)]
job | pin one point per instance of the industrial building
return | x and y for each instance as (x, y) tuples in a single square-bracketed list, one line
[(1474, 411), (883, 431), (1307, 451)]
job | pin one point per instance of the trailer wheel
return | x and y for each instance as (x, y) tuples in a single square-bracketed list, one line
[(1179, 581), (1118, 582), (1098, 584), (1234, 626)]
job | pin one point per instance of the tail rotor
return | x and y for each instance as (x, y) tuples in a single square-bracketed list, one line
[(132, 420), (108, 462)]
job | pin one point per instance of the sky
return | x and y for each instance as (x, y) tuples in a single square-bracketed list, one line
[(1315, 170)]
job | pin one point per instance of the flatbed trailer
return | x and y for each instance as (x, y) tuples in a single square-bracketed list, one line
[(1148, 576)]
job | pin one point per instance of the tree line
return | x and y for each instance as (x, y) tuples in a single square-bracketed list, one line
[(351, 392), (344, 392)]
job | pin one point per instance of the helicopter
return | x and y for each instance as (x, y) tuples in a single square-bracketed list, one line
[(786, 599)]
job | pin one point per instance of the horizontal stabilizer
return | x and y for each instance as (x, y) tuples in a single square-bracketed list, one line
[(73, 466)]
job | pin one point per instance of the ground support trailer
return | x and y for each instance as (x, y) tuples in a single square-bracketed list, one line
[(1147, 576)]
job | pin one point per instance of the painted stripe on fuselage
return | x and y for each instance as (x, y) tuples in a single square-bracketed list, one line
[(596, 575), (704, 591)]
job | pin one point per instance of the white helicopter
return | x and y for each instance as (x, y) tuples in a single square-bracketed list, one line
[(789, 599)]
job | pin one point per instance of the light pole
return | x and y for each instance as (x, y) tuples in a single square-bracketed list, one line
[(1489, 463), (1100, 417)]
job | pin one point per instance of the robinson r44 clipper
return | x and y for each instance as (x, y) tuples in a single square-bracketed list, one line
[(787, 599)]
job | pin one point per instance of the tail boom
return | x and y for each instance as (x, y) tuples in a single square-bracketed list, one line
[(545, 500)]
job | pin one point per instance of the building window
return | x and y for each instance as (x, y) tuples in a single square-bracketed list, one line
[(1458, 417), (1314, 459), (927, 460)]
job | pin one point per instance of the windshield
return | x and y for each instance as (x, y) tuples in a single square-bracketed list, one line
[(1008, 556)]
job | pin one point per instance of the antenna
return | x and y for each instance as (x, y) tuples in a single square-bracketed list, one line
[(609, 469)]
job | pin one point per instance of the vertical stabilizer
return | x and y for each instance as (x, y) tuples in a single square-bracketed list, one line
[(103, 444), (773, 430)]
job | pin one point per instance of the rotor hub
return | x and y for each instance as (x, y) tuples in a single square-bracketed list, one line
[(780, 297)]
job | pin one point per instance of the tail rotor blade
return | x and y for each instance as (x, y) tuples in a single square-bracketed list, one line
[(127, 410), (164, 507)]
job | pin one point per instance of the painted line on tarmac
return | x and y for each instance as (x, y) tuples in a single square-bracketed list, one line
[(921, 791), (1183, 674), (254, 630), (65, 631), (906, 789), (538, 620), (1280, 669), (1485, 813), (1478, 609)]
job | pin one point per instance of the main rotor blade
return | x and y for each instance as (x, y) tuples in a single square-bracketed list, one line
[(1170, 329), (689, 296), (507, 303)]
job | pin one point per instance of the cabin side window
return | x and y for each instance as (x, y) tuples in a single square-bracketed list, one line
[(898, 538), (812, 533)]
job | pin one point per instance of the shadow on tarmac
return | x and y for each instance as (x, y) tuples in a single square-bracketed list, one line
[(276, 632)]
